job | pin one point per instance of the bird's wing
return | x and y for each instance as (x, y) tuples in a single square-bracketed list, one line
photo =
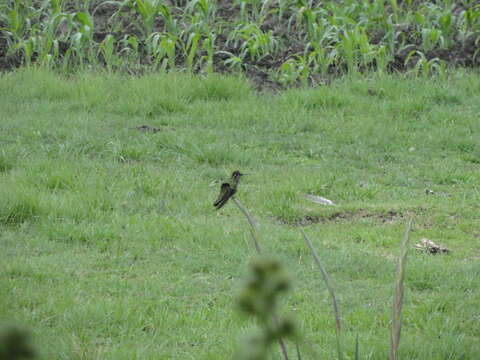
[(223, 194)]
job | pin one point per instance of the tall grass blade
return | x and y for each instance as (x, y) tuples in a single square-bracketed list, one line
[(328, 283), (398, 297)]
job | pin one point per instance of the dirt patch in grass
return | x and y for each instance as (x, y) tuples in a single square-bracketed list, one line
[(382, 217)]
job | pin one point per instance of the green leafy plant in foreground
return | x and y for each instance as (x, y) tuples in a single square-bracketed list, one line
[(15, 343), (259, 298)]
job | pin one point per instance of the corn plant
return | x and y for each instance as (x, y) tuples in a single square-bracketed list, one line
[(162, 48), (354, 46), (192, 49), (432, 38), (82, 38), (20, 26), (382, 58), (148, 10), (16, 19), (171, 23), (294, 70), (253, 41), (128, 50), (302, 36), (232, 61), (209, 46), (48, 40), (469, 22), (206, 9), (426, 67), (107, 48), (472, 17), (446, 22), (253, 10), (308, 17), (320, 59)]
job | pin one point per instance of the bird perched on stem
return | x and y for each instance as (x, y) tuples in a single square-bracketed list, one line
[(228, 189)]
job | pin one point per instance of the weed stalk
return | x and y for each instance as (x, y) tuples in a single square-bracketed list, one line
[(252, 222), (328, 283), (398, 297)]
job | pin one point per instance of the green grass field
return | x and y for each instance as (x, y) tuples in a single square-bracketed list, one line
[(111, 249)]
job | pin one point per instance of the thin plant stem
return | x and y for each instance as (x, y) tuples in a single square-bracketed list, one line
[(252, 222), (299, 355), (357, 349), (327, 281), (398, 296), (254, 233), (284, 348)]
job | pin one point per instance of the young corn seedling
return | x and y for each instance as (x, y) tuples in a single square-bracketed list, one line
[(468, 22), (321, 59), (446, 22), (191, 49), (253, 11), (148, 10), (16, 18), (209, 46), (129, 52), (425, 67), (348, 47), (49, 40), (171, 24), (431, 38), (233, 62), (107, 48), (28, 46), (472, 18), (82, 44), (161, 47), (20, 28), (206, 9), (382, 58), (366, 51), (253, 41), (294, 70)]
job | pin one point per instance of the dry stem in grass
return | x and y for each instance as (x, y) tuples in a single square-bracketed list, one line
[(251, 221), (328, 283), (357, 349), (398, 297)]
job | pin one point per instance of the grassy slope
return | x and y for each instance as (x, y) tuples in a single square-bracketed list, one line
[(111, 248)]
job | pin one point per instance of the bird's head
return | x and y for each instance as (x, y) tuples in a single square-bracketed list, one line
[(237, 175)]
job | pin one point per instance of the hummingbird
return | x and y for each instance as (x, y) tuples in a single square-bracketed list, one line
[(228, 189)]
